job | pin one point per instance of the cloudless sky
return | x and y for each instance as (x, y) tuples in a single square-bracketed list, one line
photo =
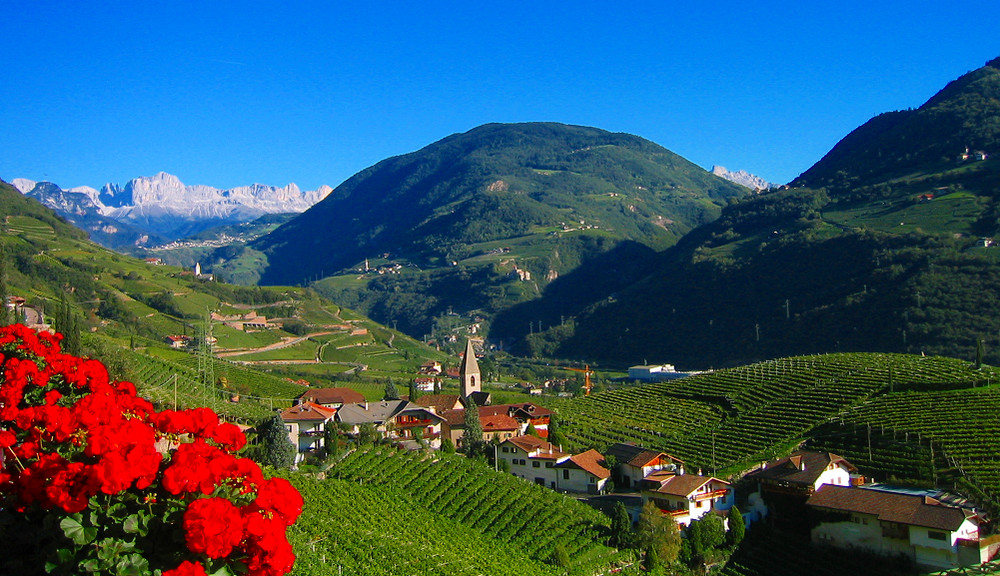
[(232, 93)]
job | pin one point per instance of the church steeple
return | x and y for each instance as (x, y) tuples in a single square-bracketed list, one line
[(468, 371)]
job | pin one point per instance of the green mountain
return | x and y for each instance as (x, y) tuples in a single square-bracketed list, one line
[(889, 248), (122, 310), (536, 197)]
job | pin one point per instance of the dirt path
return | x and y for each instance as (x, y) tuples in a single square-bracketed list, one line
[(285, 343)]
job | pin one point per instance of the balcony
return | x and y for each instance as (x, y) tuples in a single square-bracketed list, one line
[(721, 493)]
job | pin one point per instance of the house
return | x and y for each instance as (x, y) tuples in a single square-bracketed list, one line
[(333, 397), (935, 536), (654, 373), (306, 423), (635, 463), (178, 340), (431, 368), (686, 497), (538, 461), (499, 427), (784, 485), (425, 383), (396, 420), (440, 402), (524, 413)]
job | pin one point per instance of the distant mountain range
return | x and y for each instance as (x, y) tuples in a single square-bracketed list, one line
[(150, 210), (743, 178)]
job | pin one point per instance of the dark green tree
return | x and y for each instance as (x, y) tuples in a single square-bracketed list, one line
[(621, 527), (6, 314), (737, 528), (447, 446), (472, 437), (69, 326), (391, 393), (530, 430), (414, 391), (705, 534), (276, 449), (555, 431), (367, 434)]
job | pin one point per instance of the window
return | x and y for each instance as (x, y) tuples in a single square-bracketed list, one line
[(505, 449), (937, 535), (593, 480), (549, 464), (565, 474), (536, 464)]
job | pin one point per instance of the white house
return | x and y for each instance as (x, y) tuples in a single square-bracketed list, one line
[(933, 535), (306, 423), (538, 461), (635, 463), (687, 497)]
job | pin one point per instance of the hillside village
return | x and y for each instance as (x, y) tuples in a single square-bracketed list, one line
[(819, 495)]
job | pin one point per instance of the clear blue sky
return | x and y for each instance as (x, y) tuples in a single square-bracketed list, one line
[(228, 94)]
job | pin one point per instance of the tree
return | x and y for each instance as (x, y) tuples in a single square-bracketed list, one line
[(472, 438), (6, 314), (391, 393), (621, 527), (705, 535), (447, 446), (658, 534), (68, 325), (737, 528), (556, 436), (530, 430), (979, 354), (414, 391), (276, 449), (367, 434)]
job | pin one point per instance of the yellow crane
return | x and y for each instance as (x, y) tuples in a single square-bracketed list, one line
[(586, 376)]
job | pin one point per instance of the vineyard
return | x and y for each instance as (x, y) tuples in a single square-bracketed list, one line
[(354, 529), (731, 419), (505, 509)]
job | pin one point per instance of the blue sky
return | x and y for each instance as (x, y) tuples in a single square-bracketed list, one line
[(228, 94)]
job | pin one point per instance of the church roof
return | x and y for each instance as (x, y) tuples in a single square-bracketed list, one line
[(469, 364)]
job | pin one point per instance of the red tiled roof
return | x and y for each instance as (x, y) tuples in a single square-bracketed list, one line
[(890, 507), (680, 485), (530, 443), (333, 396), (522, 410), (438, 401), (790, 469), (307, 411), (590, 461), (498, 422)]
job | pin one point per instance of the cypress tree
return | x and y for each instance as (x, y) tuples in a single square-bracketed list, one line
[(621, 527), (391, 393), (472, 437), (6, 315), (737, 528), (277, 449)]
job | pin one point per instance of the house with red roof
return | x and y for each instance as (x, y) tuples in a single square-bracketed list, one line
[(934, 535), (306, 424), (687, 497), (399, 420), (497, 420), (636, 462), (332, 397), (541, 462), (784, 485)]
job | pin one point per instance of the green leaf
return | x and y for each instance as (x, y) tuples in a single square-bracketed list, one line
[(132, 565), (90, 565), (131, 524), (74, 530)]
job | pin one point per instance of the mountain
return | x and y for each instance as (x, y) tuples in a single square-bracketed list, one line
[(743, 178), (151, 210), (887, 244), (507, 207)]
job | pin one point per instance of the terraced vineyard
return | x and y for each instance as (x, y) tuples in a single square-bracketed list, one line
[(376, 529), (501, 507), (732, 418)]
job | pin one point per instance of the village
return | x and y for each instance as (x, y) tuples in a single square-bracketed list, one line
[(818, 495)]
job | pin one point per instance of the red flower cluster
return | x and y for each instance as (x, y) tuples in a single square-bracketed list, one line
[(68, 434)]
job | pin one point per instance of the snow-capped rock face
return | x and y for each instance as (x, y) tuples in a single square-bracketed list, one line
[(166, 206), (23, 185), (743, 178)]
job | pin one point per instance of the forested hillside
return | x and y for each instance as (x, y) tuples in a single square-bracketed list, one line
[(891, 249)]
